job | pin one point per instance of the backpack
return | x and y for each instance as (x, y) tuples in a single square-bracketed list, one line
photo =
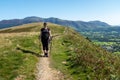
[(45, 33)]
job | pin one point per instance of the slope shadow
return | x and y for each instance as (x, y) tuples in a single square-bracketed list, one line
[(28, 51)]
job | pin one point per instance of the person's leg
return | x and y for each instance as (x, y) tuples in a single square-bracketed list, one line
[(47, 48), (44, 47)]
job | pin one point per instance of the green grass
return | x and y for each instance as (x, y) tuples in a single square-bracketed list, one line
[(118, 53), (14, 63), (19, 50), (33, 27), (58, 56), (72, 54), (84, 60), (104, 43)]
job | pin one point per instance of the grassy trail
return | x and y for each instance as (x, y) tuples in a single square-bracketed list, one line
[(19, 51), (45, 72)]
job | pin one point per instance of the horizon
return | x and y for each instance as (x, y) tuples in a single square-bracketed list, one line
[(77, 10), (59, 18)]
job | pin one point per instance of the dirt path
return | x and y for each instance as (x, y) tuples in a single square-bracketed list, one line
[(45, 72)]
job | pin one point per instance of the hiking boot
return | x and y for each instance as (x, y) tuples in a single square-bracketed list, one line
[(46, 54)]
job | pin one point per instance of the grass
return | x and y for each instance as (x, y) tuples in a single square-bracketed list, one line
[(58, 56), (104, 43), (83, 60), (20, 50), (15, 63), (73, 55)]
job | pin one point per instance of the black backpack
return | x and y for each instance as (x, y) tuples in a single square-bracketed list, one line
[(45, 33)]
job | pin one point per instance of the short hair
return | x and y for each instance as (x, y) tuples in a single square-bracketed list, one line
[(44, 23)]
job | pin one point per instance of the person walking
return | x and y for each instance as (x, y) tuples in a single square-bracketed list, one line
[(45, 35)]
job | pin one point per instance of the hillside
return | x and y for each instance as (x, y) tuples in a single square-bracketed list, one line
[(78, 25), (76, 57)]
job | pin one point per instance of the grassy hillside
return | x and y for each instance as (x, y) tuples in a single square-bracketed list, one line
[(33, 27), (72, 54), (20, 51), (15, 63), (76, 56)]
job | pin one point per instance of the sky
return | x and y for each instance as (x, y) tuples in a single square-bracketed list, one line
[(83, 10)]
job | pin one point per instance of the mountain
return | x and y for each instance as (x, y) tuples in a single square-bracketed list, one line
[(78, 25), (10, 23), (72, 54)]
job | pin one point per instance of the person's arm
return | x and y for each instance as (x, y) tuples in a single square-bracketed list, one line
[(50, 37), (50, 34)]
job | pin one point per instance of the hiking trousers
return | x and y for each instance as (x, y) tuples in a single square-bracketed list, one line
[(45, 43)]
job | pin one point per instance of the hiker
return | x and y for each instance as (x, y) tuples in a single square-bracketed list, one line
[(45, 36)]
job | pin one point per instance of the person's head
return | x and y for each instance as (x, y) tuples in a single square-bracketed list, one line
[(45, 24)]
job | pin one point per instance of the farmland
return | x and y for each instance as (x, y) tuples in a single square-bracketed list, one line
[(107, 40)]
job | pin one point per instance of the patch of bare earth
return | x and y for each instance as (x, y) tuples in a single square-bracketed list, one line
[(45, 72)]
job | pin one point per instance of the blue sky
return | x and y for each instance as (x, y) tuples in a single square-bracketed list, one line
[(84, 10)]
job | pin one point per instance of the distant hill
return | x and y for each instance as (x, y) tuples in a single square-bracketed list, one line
[(78, 25)]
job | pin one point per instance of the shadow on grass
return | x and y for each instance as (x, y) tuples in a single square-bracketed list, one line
[(29, 51)]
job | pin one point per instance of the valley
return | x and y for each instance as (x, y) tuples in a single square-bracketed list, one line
[(107, 40)]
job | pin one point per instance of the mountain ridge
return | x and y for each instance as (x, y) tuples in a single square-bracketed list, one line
[(78, 25)]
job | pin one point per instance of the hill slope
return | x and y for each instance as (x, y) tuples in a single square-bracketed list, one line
[(20, 51), (71, 53)]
